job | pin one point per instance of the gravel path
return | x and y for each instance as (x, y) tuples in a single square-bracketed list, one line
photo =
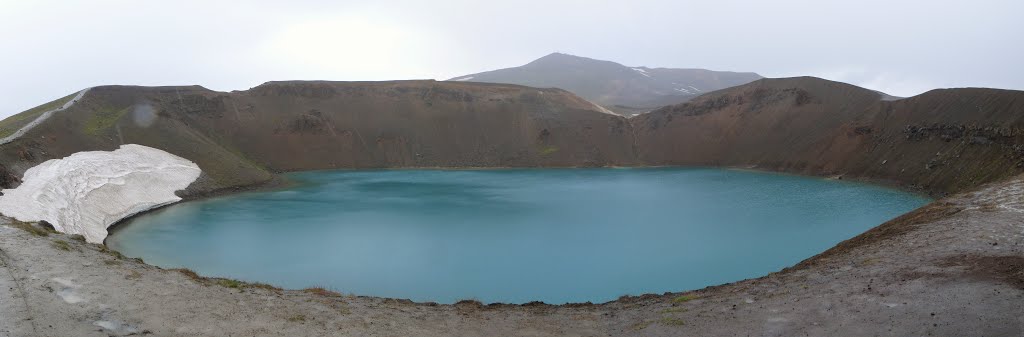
[(45, 115), (952, 268), (15, 312)]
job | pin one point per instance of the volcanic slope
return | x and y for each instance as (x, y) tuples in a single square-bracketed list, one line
[(942, 141)]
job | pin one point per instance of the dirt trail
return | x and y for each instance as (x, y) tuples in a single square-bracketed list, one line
[(15, 312), (43, 117)]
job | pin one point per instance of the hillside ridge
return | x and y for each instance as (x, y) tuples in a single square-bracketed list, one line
[(943, 141), (803, 125)]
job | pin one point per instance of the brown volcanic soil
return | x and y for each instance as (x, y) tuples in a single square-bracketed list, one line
[(316, 125), (942, 141)]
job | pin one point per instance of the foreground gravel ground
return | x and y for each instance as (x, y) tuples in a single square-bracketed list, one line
[(952, 268)]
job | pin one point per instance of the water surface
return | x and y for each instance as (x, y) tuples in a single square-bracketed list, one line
[(554, 235)]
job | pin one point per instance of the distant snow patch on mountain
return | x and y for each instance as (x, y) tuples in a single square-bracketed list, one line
[(641, 71)]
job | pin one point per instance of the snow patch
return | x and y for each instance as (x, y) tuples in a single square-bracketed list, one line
[(695, 88), (467, 78), (641, 71), (69, 296), (109, 325), (67, 291), (88, 191), (116, 326)]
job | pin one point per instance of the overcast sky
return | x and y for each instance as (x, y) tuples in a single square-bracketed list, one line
[(53, 48)]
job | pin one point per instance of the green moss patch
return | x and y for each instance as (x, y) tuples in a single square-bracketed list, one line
[(229, 283), (28, 227), (104, 119), (223, 282), (684, 298), (670, 321), (191, 274), (322, 292), (62, 245)]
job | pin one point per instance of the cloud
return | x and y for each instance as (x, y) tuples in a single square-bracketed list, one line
[(52, 48), (357, 46), (891, 83)]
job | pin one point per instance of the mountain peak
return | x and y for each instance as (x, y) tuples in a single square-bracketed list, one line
[(625, 90), (557, 58)]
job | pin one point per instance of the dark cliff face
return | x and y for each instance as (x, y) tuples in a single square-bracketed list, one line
[(239, 138), (8, 179), (942, 141)]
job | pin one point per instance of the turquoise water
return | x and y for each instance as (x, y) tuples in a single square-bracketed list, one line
[(554, 235)]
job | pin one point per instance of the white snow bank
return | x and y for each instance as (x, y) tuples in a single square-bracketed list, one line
[(464, 78), (86, 192)]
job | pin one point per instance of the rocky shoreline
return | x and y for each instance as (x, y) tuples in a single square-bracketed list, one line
[(954, 267)]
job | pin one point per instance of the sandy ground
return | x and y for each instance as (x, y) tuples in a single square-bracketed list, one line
[(953, 268)]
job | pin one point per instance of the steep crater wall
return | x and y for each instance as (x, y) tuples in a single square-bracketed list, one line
[(943, 141)]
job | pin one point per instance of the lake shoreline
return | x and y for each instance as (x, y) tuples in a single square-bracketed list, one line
[(532, 207), (890, 278)]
